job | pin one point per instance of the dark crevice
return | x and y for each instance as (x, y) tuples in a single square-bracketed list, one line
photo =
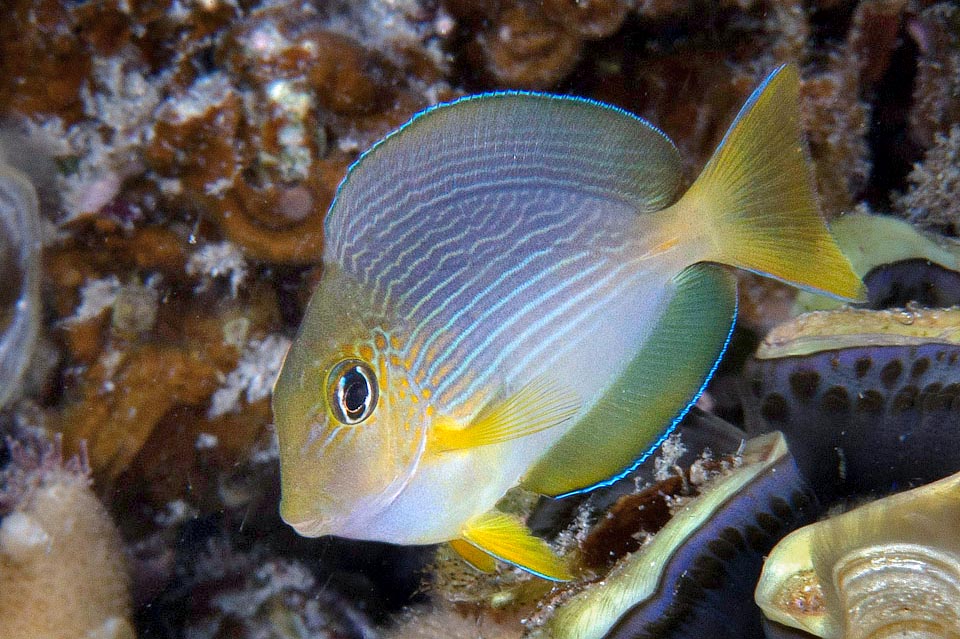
[(892, 152)]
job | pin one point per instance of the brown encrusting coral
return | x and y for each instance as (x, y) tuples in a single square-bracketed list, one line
[(632, 516), (522, 48), (185, 155), (250, 146), (935, 31)]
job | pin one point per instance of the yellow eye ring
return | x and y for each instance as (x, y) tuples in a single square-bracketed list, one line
[(352, 391)]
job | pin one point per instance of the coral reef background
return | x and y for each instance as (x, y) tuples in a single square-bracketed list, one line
[(185, 152)]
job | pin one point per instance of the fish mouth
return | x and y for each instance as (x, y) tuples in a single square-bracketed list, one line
[(314, 527), (333, 518), (354, 525), (353, 518), (306, 526)]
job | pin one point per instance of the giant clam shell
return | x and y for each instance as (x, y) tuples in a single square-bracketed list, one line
[(888, 569), (896, 261), (695, 577), (862, 397), (20, 243)]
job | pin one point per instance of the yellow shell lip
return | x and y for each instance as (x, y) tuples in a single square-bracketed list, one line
[(819, 331)]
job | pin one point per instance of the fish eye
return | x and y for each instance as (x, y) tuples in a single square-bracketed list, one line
[(352, 391)]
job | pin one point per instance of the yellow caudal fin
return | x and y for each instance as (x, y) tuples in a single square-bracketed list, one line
[(756, 202), (507, 539)]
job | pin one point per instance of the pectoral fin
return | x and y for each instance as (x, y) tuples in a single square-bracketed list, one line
[(541, 404), (507, 539)]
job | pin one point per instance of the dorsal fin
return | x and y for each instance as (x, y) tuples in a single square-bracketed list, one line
[(493, 140)]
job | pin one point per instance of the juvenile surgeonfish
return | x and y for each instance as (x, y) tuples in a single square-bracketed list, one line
[(513, 294)]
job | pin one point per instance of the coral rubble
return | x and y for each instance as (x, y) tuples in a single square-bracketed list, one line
[(933, 198), (62, 567)]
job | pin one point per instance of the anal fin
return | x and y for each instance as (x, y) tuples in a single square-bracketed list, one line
[(644, 404), (507, 539)]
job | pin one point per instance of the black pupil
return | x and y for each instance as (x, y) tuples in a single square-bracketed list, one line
[(355, 391)]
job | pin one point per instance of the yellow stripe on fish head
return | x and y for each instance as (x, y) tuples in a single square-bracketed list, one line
[(350, 421)]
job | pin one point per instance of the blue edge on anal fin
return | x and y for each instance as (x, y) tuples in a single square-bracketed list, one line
[(673, 425), (644, 406)]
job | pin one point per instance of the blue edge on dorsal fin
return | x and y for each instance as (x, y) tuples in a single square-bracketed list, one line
[(478, 96)]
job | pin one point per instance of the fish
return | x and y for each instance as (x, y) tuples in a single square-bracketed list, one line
[(514, 294)]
